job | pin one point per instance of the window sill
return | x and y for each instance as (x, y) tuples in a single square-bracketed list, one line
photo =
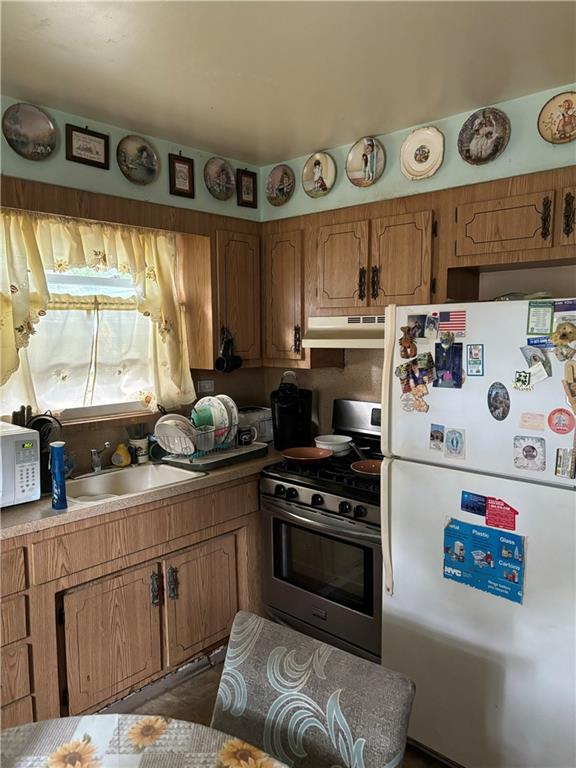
[(92, 423)]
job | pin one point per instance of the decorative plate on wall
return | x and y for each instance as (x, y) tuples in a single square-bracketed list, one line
[(219, 178), (557, 118), (484, 136), (29, 131), (365, 162), (280, 184), (137, 159), (422, 153), (318, 174)]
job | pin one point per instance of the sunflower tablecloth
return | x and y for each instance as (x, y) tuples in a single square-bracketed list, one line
[(126, 741)]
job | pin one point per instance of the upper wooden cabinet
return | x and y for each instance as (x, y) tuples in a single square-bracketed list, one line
[(369, 264), (342, 254), (219, 287), (523, 222), (283, 306), (238, 257), (401, 259), (112, 636), (201, 597), (566, 224)]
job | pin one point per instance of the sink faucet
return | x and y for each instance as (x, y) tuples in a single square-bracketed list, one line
[(95, 457)]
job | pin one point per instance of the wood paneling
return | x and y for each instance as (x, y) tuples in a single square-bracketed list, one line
[(12, 571), (341, 252), (112, 635), (15, 675), (238, 257), (203, 606), (283, 296), (401, 256), (14, 619), (67, 201), (506, 224), (81, 549), (17, 713)]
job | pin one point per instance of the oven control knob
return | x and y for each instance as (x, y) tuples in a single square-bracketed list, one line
[(291, 493), (279, 490), (344, 508), (317, 500), (360, 511)]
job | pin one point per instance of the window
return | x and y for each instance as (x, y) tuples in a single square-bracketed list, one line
[(89, 317), (91, 349)]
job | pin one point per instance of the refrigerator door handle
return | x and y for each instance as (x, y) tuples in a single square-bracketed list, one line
[(387, 377), (385, 523)]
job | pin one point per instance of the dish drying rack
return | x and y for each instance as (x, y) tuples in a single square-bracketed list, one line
[(202, 448)]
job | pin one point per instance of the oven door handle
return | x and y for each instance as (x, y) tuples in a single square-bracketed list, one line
[(334, 529)]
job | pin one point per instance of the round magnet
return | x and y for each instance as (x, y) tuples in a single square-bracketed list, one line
[(561, 421), (498, 401)]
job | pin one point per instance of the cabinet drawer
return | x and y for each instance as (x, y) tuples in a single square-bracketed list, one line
[(17, 713), (15, 673), (79, 550), (12, 571), (14, 619)]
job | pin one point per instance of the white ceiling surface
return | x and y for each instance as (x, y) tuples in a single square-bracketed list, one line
[(267, 81)]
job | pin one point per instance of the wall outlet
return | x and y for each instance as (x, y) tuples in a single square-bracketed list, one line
[(206, 385)]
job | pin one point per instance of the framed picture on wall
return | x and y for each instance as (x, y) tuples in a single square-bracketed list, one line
[(87, 147), (246, 188), (181, 172)]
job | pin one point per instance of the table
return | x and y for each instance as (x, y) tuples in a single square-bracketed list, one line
[(126, 741)]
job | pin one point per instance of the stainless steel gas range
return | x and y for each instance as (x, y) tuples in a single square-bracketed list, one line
[(322, 547)]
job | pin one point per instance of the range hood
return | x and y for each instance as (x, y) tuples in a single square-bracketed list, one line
[(348, 332)]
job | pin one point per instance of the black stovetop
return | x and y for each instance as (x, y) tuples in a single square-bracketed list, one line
[(333, 476)]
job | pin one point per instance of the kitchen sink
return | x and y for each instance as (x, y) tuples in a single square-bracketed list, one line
[(125, 482)]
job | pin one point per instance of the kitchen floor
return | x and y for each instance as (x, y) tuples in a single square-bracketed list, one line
[(193, 699)]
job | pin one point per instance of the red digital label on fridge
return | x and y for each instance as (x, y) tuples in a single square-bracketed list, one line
[(499, 514)]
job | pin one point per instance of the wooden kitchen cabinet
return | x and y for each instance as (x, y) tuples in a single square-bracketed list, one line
[(369, 264), (566, 220), (401, 259), (201, 597), (284, 316), (342, 264), (219, 287), (522, 222), (112, 635)]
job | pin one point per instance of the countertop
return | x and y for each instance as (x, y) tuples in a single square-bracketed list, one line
[(38, 515)]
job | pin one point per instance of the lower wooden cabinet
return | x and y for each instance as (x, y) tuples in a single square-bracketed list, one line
[(17, 713), (112, 632), (201, 597)]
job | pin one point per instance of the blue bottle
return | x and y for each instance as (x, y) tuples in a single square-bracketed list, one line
[(58, 472)]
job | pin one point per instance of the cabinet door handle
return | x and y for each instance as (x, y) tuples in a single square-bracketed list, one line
[(569, 214), (362, 283), (545, 218), (375, 282), (155, 589), (173, 583), (297, 339)]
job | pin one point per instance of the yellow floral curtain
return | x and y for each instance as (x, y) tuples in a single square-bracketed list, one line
[(33, 243)]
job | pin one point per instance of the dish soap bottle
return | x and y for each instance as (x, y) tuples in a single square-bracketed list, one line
[(121, 456), (58, 472)]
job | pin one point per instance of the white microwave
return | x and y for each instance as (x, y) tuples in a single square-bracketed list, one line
[(19, 464)]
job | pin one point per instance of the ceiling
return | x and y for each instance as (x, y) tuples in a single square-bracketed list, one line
[(267, 81)]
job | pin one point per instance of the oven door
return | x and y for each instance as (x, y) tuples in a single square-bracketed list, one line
[(325, 572)]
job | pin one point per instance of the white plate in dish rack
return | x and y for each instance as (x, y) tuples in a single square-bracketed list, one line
[(232, 410), (219, 413)]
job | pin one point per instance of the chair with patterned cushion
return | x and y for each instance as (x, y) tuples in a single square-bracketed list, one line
[(309, 704)]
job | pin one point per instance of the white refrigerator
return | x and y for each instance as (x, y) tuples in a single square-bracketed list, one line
[(479, 531)]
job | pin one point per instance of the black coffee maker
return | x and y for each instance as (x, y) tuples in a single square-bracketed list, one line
[(291, 414)]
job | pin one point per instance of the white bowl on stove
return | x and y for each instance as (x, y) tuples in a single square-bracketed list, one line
[(338, 444)]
